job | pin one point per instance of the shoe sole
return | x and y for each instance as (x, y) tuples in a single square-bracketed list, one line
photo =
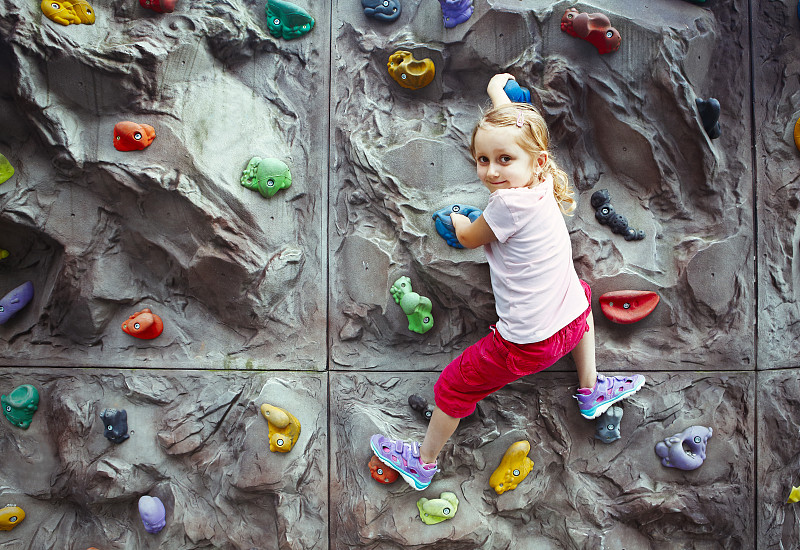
[(408, 479), (600, 409)]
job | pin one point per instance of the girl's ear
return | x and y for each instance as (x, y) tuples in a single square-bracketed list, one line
[(541, 160)]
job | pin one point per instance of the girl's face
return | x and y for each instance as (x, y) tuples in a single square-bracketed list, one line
[(501, 162)]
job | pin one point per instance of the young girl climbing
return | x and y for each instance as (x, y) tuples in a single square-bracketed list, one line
[(544, 310)]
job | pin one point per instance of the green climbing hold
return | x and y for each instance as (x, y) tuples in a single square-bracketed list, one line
[(267, 176), (20, 404), (286, 20), (416, 307), (436, 510), (6, 170)]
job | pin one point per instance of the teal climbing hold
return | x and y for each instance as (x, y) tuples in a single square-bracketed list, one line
[(286, 20)]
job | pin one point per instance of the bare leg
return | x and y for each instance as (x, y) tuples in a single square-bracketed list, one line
[(583, 354), (439, 431)]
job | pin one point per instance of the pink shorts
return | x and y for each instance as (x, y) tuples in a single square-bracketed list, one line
[(492, 362)]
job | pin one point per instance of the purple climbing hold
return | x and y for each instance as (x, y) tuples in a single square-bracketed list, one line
[(455, 12), (15, 300), (686, 450), (153, 514)]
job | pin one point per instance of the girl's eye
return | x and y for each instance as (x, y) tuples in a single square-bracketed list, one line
[(483, 159), (505, 158)]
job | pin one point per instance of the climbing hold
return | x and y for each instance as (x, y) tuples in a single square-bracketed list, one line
[(161, 6), (153, 514), (444, 225), (6, 170), (381, 472), (284, 428), (15, 300), (409, 72), (419, 404), (131, 136), (595, 28), (115, 424), (417, 308), (455, 12), (4, 254), (84, 11), (673, 453), (11, 515), (382, 10), (66, 12), (267, 176), (709, 115), (607, 428), (517, 93), (514, 467), (286, 20), (605, 214), (436, 510), (628, 306), (20, 404), (143, 324), (794, 496), (796, 125)]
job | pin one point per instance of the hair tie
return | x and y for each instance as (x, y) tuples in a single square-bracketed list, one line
[(520, 119)]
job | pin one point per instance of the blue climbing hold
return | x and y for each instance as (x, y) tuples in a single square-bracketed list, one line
[(382, 10), (517, 93), (709, 115), (444, 226)]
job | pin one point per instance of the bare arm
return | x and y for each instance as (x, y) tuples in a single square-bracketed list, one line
[(472, 234), (495, 89)]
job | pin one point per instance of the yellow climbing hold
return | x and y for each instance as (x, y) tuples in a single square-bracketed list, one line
[(514, 467), (284, 428), (794, 496), (6, 170), (797, 134), (4, 254)]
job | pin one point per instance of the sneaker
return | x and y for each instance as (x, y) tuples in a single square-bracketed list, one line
[(403, 457), (606, 392)]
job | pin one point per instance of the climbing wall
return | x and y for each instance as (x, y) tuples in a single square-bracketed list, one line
[(285, 300)]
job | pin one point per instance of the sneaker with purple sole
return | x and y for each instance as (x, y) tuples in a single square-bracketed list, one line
[(403, 457), (606, 392)]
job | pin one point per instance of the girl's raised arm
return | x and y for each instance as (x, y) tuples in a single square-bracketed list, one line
[(472, 234)]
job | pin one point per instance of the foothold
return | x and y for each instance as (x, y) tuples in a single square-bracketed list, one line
[(267, 176), (286, 20), (455, 12), (409, 72), (709, 114), (6, 170), (67, 12), (794, 496), (797, 124), (382, 10), (11, 515), (514, 467), (20, 404), (673, 450), (417, 308), (444, 225), (84, 11), (15, 300), (436, 510), (381, 472), (628, 306), (153, 514), (115, 424), (605, 214), (143, 324), (284, 428), (607, 429), (131, 136), (4, 254), (420, 404), (517, 93), (595, 28), (161, 6)]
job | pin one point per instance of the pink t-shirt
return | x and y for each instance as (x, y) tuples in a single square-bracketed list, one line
[(536, 289)]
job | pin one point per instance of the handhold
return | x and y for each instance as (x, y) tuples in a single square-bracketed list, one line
[(709, 115), (417, 308), (419, 404), (628, 306), (605, 214), (595, 28), (437, 510), (794, 496), (15, 300), (66, 12), (84, 11), (161, 6), (514, 467), (796, 124), (674, 455), (131, 136), (382, 10), (6, 170), (607, 429), (143, 324), (455, 12), (284, 428), (444, 225), (115, 424), (381, 472), (286, 20), (20, 404), (267, 176), (409, 72), (4, 254), (11, 515), (517, 93), (153, 514)]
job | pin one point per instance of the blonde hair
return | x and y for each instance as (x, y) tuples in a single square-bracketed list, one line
[(534, 139)]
